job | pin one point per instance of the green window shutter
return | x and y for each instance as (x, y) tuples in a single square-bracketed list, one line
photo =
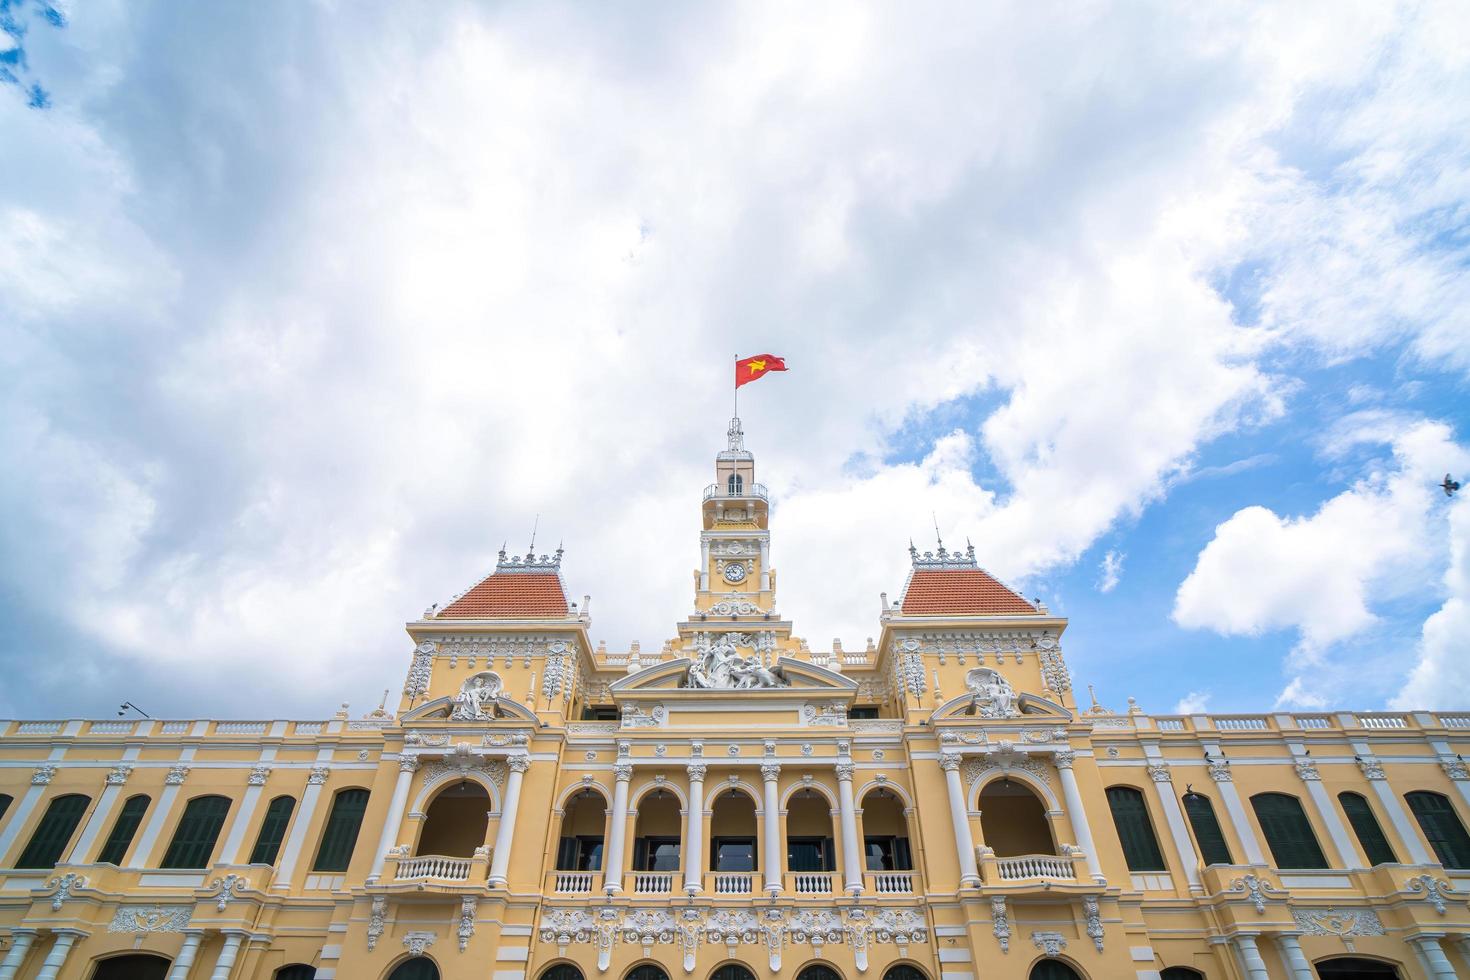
[(1288, 832), (1207, 833), (1365, 825), (341, 834), (5, 802), (272, 830), (196, 834), (1442, 828), (1135, 831), (296, 971), (418, 968), (116, 848), (54, 831)]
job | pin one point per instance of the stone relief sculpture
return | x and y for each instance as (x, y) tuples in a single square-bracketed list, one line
[(719, 664), (476, 699), (992, 694)]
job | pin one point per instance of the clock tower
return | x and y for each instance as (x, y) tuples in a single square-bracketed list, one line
[(735, 539)]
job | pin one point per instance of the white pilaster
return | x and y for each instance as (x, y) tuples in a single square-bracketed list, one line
[(765, 564), (143, 853), (703, 564), (1331, 819), (407, 766), (509, 805), (299, 828), (61, 949), (17, 819), (1250, 958), (21, 941), (694, 829), (81, 851), (959, 815), (1225, 786), (771, 831), (184, 962), (1393, 806), (1076, 812), (235, 839), (613, 877), (1163, 782), (852, 868), (225, 965), (1296, 960)]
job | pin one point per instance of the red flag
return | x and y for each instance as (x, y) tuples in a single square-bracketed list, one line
[(749, 369)]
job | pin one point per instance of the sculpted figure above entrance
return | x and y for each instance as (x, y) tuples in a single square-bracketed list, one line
[(719, 664)]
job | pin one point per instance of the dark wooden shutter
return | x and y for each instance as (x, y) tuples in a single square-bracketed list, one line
[(296, 971), (903, 859), (5, 802), (272, 830), (1207, 833), (198, 830), (418, 968), (1135, 830), (1365, 825), (1053, 970), (121, 838), (1288, 832), (732, 971), (1442, 827), (566, 854), (54, 831), (829, 854), (903, 972), (341, 834), (565, 971)]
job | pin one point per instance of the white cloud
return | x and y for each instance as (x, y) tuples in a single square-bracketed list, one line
[(1111, 569), (1321, 574), (1192, 703), (1442, 674)]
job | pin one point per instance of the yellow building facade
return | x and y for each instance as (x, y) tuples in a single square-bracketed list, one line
[(738, 806)]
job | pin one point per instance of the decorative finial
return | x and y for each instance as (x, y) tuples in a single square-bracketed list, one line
[(736, 436)]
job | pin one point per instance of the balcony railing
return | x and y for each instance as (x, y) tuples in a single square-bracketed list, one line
[(434, 866), (756, 490), (890, 882), (575, 882), (1028, 867), (810, 882), (653, 882), (732, 882)]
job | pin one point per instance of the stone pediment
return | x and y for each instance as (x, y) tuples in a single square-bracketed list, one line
[(790, 675), (1026, 707)]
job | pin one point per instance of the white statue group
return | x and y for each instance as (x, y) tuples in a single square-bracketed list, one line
[(993, 695), (476, 700), (720, 665)]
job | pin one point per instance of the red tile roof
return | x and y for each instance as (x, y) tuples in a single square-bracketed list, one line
[(511, 595), (960, 592)]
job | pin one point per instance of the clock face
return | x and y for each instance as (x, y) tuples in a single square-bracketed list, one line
[(734, 572)]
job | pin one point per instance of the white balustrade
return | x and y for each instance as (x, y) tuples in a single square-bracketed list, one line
[(1382, 721), (1035, 866), (1241, 724), (573, 882), (1313, 721), (38, 727), (812, 882), (241, 727), (892, 882), (733, 882), (434, 866), (653, 882), (1455, 721)]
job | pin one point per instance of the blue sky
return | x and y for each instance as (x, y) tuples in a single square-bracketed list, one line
[(304, 314)]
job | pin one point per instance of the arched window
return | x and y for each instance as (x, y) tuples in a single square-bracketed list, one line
[(1135, 830), (809, 842), (1365, 825), (647, 972), (5, 802), (1355, 968), (296, 971), (736, 484), (1442, 827), (732, 971), (1288, 832), (732, 840), (54, 831), (272, 830), (582, 824), (418, 968), (1053, 970), (562, 971), (656, 833), (903, 972), (123, 830), (340, 838), (885, 832), (1180, 973), (133, 966), (1013, 819), (818, 972), (1207, 834), (196, 834), (456, 821)]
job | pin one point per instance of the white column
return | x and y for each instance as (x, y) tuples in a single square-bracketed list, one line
[(1076, 812), (1439, 964), (765, 564), (1296, 960), (1408, 833), (959, 815), (162, 813), (1250, 957), (407, 766), (235, 840), (613, 862), (225, 965), (16, 819), (771, 832), (185, 960), (299, 828), (1174, 817), (81, 852), (15, 957), (1225, 786), (703, 564), (852, 868), (1336, 829), (694, 829), (509, 804), (65, 940)]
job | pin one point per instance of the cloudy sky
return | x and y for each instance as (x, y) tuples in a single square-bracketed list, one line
[(305, 308)]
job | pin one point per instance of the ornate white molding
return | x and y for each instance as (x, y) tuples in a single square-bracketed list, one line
[(150, 918), (318, 775), (119, 775), (1094, 921), (1307, 770), (1341, 923), (64, 886), (467, 909), (1051, 944), (1000, 923), (258, 775), (43, 775), (376, 921), (418, 941), (1434, 889), (176, 776), (1259, 889)]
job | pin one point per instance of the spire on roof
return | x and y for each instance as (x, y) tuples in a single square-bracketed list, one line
[(736, 436)]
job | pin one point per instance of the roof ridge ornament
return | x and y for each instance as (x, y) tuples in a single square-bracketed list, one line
[(530, 563), (944, 558), (736, 436)]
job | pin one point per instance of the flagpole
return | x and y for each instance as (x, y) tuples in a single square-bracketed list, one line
[(737, 390)]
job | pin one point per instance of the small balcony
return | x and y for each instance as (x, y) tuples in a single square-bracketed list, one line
[(745, 491), (439, 869), (812, 882), (574, 883), (654, 882), (888, 882), (733, 882), (1036, 870)]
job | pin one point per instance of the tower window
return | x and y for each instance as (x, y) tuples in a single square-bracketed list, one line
[(736, 484)]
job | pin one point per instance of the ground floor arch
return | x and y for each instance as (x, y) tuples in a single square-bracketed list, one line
[(1053, 969), (415, 968), (1356, 968), (132, 966)]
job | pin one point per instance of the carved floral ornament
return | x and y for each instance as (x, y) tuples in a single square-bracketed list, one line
[(150, 918)]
